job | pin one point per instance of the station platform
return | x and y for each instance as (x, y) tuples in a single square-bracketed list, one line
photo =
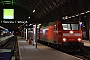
[(86, 42), (29, 52)]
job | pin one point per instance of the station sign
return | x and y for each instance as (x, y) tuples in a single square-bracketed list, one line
[(19, 22), (12, 22), (5, 22)]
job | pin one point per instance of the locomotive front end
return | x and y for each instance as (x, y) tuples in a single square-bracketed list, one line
[(71, 36)]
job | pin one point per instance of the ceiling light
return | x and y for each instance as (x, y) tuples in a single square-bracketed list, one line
[(66, 17), (30, 24), (26, 22), (39, 24), (73, 16), (63, 18), (29, 17), (82, 13), (77, 15), (88, 11), (33, 10), (69, 17)]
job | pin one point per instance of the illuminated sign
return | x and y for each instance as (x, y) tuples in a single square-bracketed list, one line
[(13, 22), (8, 21), (22, 22), (8, 13)]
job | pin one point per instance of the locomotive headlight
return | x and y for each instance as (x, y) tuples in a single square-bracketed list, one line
[(64, 39), (79, 39), (71, 32)]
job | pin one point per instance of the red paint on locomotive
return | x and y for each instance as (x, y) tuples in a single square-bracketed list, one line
[(63, 34)]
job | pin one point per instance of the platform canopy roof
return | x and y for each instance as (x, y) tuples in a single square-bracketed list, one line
[(41, 11)]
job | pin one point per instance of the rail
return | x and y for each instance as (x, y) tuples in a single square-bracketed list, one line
[(8, 45)]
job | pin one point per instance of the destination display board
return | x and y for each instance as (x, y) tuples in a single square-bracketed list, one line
[(13, 22), (8, 13)]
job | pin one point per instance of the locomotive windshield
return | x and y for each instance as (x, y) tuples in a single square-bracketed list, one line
[(68, 26)]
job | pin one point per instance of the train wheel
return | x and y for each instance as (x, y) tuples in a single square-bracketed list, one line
[(57, 46), (49, 44), (46, 43), (54, 46)]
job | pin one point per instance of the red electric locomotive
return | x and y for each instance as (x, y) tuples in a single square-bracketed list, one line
[(62, 35)]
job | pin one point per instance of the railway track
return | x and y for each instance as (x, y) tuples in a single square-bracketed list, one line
[(84, 54), (13, 45)]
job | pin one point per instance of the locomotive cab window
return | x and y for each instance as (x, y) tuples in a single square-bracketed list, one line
[(66, 26), (69, 26), (75, 26)]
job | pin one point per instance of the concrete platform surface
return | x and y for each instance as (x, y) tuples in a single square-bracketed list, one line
[(86, 42), (29, 52)]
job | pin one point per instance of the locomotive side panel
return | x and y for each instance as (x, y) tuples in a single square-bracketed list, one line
[(50, 34), (60, 32)]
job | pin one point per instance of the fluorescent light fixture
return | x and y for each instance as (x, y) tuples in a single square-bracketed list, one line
[(66, 17), (77, 15), (82, 13), (73, 16), (26, 22), (30, 24), (63, 18), (39, 24), (88, 11), (69, 17)]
